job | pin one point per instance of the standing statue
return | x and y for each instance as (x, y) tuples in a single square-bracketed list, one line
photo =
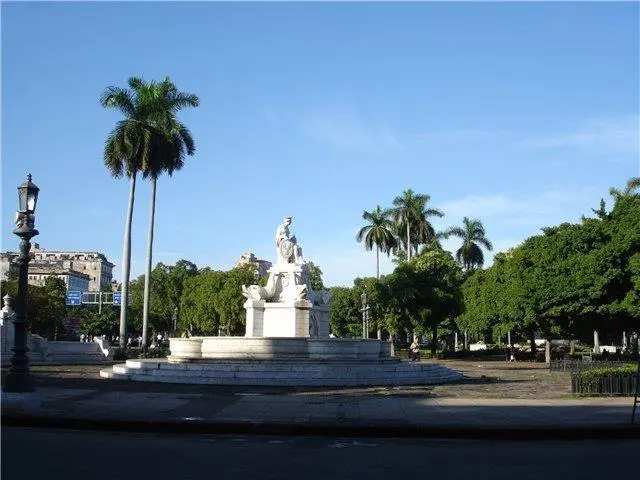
[(287, 305), (288, 250)]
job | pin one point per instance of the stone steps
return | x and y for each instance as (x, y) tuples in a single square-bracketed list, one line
[(283, 373)]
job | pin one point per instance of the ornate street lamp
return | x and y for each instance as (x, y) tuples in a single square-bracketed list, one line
[(18, 378), (365, 316), (174, 318)]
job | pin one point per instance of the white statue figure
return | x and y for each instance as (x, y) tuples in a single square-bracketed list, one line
[(7, 332), (288, 250), (7, 314)]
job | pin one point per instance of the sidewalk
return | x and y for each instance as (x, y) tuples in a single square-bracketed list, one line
[(406, 412)]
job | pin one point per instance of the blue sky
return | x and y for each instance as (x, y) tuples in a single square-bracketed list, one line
[(521, 115)]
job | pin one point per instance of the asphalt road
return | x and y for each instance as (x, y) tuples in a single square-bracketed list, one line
[(65, 454)]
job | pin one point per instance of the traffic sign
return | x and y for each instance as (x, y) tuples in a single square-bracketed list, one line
[(74, 298), (117, 298)]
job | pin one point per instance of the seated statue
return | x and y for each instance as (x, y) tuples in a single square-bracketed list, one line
[(288, 250)]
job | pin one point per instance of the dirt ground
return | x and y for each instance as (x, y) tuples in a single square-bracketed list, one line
[(482, 379), (501, 379)]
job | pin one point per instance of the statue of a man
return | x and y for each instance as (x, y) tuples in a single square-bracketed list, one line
[(288, 250)]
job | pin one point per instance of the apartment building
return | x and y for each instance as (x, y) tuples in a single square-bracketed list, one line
[(76, 268), (249, 258)]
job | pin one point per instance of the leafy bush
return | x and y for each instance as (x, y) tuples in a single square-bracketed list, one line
[(159, 352), (590, 378)]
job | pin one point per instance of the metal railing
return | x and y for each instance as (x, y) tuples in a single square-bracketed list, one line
[(576, 366), (605, 385)]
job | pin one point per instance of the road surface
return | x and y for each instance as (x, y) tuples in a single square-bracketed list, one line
[(88, 455)]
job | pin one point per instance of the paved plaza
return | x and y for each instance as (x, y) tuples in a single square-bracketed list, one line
[(80, 399)]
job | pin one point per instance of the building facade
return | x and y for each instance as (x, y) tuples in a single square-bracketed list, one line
[(76, 267), (75, 281), (249, 258)]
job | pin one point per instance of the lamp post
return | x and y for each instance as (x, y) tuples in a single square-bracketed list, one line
[(19, 379), (365, 316), (175, 321)]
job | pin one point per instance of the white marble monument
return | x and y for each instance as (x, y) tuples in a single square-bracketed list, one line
[(286, 342), (287, 306)]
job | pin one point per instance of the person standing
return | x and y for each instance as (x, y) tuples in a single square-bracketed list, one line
[(415, 350)]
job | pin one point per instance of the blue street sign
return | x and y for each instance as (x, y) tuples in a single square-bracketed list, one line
[(117, 298), (74, 298)]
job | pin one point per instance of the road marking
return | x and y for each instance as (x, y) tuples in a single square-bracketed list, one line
[(354, 443)]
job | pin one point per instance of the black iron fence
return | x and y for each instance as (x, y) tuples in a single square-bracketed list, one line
[(576, 366), (604, 385)]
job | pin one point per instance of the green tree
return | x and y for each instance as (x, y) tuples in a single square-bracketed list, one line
[(378, 232), (473, 236), (374, 290), (46, 305), (411, 215), (198, 312), (345, 318), (129, 149), (631, 188), (229, 301), (93, 322), (167, 285), (174, 143), (315, 274), (426, 292)]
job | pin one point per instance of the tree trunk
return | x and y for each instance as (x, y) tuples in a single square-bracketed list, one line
[(408, 241), (126, 265), (147, 275), (547, 351), (378, 278), (532, 339), (572, 347), (434, 339)]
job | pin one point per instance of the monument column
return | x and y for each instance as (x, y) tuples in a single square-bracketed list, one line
[(255, 318)]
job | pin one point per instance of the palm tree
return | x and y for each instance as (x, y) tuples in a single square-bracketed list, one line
[(411, 214), (139, 143), (472, 233), (633, 185), (433, 243), (424, 233), (178, 142), (378, 232)]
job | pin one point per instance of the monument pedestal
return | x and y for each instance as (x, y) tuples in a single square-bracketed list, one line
[(282, 319)]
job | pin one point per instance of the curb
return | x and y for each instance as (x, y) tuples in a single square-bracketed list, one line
[(196, 427)]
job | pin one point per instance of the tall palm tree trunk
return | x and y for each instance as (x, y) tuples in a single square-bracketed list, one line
[(126, 264), (147, 275), (408, 242), (379, 335)]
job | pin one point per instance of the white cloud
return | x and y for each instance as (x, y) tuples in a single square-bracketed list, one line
[(608, 135), (537, 210), (344, 132), (510, 219)]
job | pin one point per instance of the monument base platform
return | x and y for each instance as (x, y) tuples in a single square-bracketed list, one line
[(284, 373), (284, 348), (298, 362)]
